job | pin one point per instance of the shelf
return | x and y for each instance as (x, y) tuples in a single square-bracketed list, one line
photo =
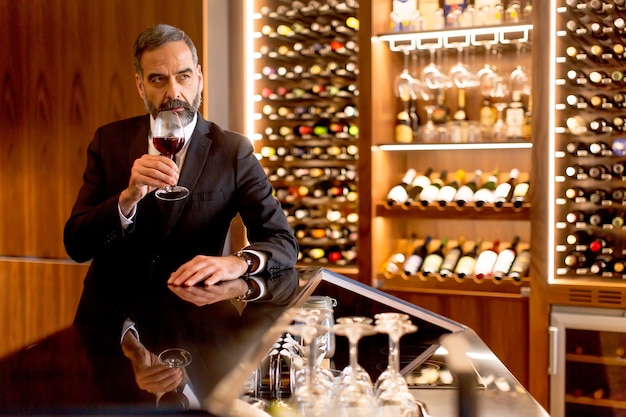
[(469, 211), (595, 402), (598, 360), (452, 146), (435, 284), (455, 38)]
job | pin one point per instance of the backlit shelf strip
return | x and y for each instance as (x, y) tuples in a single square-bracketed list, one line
[(451, 146), (453, 38)]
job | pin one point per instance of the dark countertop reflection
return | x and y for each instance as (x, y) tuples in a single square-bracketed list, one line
[(82, 369)]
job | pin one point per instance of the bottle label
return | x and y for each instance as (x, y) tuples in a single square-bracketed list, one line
[(504, 262), (464, 194), (451, 259), (485, 262), (446, 193), (484, 195), (404, 133), (432, 263), (429, 193), (413, 264), (397, 194), (502, 190), (465, 266)]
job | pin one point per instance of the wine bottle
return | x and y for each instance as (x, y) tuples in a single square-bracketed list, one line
[(520, 265), (448, 191), (417, 186), (485, 193), (432, 261), (404, 128), (414, 262), (579, 239), (460, 114), (598, 196), (441, 112), (398, 194), (486, 261), (504, 191), (465, 193), (505, 260), (602, 265), (600, 148), (576, 260), (488, 114), (601, 218), (451, 259), (429, 194), (467, 262)]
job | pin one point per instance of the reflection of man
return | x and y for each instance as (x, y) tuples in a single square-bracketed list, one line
[(135, 240), (217, 333)]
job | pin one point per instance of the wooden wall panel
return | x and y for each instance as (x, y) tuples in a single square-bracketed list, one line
[(65, 69), (501, 323)]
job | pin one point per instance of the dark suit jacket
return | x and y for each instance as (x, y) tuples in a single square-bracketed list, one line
[(224, 178)]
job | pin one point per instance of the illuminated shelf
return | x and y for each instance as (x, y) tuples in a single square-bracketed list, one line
[(454, 38), (451, 146)]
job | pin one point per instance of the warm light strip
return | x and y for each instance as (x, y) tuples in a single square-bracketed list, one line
[(451, 33), (451, 146), (249, 68), (551, 141)]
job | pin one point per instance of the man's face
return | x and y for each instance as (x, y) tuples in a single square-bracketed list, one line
[(170, 80)]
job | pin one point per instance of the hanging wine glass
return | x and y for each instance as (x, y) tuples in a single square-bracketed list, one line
[(519, 79), (488, 71), (460, 74), (432, 76), (353, 396)]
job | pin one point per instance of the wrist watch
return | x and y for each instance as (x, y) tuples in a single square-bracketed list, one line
[(246, 257), (248, 294)]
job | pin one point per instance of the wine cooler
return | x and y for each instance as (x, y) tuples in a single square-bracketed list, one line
[(588, 362)]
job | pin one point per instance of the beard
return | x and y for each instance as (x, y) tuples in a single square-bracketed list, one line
[(188, 112)]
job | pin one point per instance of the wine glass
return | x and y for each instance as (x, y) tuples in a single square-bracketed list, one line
[(520, 80), (175, 358), (500, 128), (391, 388), (352, 395), (310, 389), (168, 137), (432, 76)]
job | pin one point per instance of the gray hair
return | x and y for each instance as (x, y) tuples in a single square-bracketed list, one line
[(159, 35)]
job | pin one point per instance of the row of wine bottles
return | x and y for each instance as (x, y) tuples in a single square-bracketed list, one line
[(429, 188), (335, 233), (299, 29), (315, 92), (289, 153), (589, 263), (276, 173), (312, 112), (345, 69), (304, 51), (340, 255), (328, 188), (321, 128), (598, 148), (292, 9), (615, 101), (607, 218), (456, 261), (596, 171), (595, 8), (599, 196)]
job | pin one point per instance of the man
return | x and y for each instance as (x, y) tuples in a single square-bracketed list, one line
[(134, 239)]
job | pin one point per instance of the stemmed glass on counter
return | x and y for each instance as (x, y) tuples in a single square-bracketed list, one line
[(168, 137)]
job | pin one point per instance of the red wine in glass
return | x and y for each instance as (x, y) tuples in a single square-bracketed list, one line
[(168, 137)]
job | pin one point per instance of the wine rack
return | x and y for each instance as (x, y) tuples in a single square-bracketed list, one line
[(589, 144), (306, 126)]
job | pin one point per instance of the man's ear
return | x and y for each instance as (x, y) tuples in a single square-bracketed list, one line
[(139, 85)]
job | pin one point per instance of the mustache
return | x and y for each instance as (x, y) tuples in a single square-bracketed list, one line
[(173, 104)]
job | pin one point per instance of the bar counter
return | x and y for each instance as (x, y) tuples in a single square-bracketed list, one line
[(83, 369)]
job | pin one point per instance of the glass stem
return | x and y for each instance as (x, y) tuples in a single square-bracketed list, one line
[(394, 353)]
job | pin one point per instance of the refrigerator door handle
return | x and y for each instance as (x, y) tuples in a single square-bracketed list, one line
[(553, 333)]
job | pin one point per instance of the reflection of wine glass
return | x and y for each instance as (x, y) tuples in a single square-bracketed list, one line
[(175, 358), (168, 137)]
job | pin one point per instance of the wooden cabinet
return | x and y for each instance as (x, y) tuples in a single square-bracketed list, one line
[(497, 310)]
